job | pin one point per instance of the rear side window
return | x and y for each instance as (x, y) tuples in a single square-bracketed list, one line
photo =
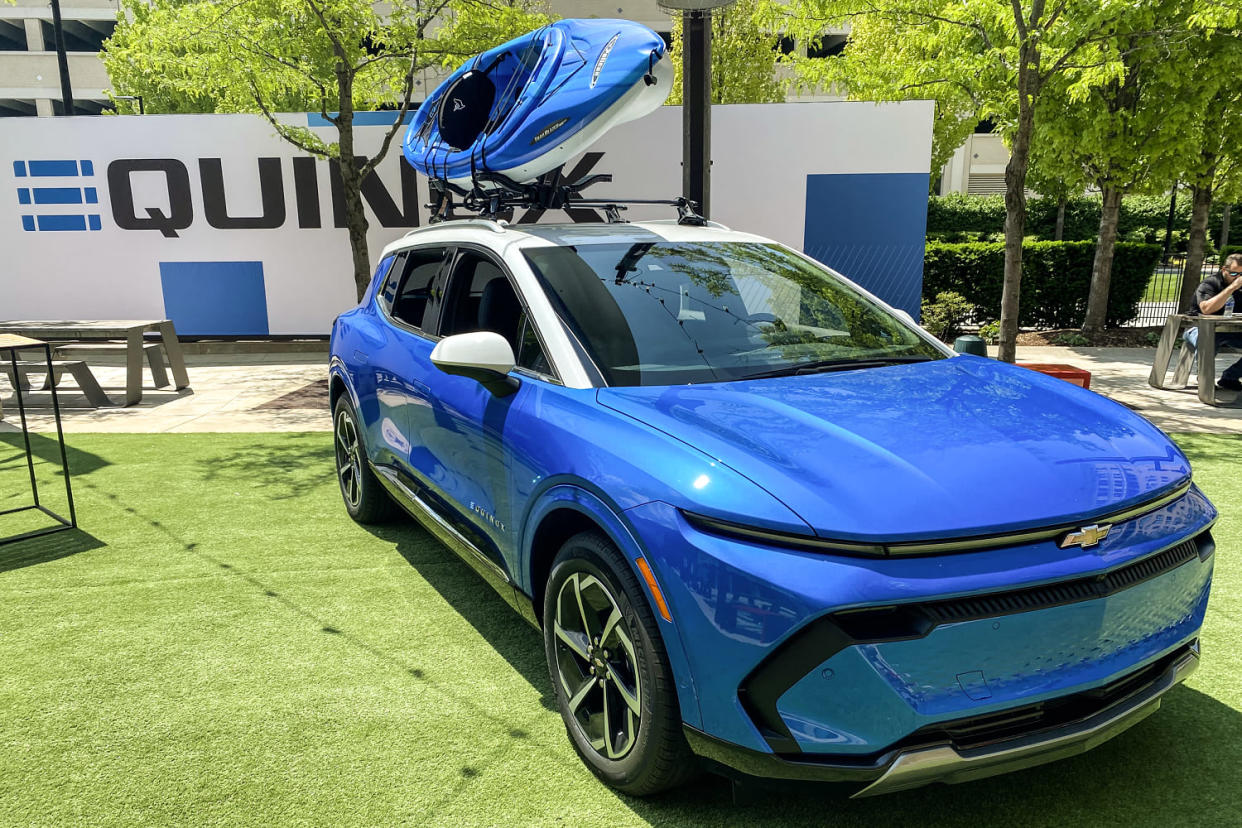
[(407, 293)]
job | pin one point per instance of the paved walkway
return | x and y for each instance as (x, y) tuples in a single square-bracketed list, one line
[(288, 392), (228, 392)]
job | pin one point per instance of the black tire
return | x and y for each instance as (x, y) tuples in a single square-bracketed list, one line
[(637, 758), (365, 499)]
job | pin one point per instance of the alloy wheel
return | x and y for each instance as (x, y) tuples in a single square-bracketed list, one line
[(348, 459), (597, 666)]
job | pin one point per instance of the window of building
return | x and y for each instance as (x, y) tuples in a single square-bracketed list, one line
[(80, 35), (827, 46), (12, 36), (16, 108)]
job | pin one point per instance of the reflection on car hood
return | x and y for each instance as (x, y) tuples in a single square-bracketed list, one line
[(954, 447)]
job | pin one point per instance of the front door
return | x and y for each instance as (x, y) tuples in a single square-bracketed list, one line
[(467, 456)]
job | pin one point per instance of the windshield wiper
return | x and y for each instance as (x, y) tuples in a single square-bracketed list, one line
[(826, 365)]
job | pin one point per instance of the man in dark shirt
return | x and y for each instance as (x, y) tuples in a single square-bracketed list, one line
[(1213, 293)]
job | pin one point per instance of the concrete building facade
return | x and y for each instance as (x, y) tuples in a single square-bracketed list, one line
[(29, 74)]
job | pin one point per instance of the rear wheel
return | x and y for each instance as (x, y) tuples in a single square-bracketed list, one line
[(610, 671), (365, 499)]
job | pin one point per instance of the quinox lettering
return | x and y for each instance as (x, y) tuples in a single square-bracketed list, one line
[(120, 192), (179, 215)]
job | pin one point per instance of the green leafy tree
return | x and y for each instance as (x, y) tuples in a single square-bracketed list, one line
[(744, 57), (1125, 132), (999, 56), (336, 57), (1213, 168)]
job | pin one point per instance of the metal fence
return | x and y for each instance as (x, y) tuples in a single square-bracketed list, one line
[(1160, 298)]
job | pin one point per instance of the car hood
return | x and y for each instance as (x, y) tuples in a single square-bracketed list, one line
[(941, 449)]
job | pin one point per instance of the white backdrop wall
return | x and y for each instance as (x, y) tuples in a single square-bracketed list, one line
[(215, 221)]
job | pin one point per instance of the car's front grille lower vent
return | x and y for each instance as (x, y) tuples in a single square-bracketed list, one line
[(916, 620), (1069, 592)]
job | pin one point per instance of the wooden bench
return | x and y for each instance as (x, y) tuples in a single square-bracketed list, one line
[(75, 368), (153, 351)]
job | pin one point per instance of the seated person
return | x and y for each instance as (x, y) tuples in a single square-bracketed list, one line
[(1210, 299)]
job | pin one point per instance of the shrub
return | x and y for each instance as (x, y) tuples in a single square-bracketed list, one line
[(943, 316), (1143, 218), (990, 332), (1056, 278)]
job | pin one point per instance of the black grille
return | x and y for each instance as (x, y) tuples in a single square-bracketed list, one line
[(916, 620), (1068, 592)]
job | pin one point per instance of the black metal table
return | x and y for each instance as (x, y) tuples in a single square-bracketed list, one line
[(10, 344)]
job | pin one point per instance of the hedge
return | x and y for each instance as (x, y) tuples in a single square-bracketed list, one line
[(960, 217), (1056, 278)]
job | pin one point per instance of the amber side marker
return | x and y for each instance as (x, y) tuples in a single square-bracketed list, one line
[(649, 576)]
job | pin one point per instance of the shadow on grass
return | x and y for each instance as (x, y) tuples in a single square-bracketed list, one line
[(516, 641), (46, 548), (283, 467), (47, 450)]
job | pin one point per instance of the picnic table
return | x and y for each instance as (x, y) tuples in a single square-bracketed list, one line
[(131, 330), (1173, 326)]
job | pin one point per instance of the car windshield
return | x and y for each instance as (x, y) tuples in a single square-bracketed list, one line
[(665, 313)]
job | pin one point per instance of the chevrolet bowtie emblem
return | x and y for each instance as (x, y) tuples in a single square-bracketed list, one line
[(1086, 536)]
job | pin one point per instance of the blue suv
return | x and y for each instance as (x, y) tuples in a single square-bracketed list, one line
[(761, 517)]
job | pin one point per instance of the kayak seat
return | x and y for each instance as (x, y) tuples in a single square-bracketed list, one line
[(466, 107)]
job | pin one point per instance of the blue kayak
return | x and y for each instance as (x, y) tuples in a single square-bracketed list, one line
[(526, 107)]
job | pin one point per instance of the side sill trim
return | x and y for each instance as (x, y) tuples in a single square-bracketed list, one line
[(445, 532), (438, 526)]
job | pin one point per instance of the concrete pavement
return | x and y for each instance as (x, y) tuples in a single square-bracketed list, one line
[(288, 392)]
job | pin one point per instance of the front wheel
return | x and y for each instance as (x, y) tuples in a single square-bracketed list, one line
[(610, 671)]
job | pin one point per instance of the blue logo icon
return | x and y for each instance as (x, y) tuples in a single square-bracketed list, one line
[(52, 195)]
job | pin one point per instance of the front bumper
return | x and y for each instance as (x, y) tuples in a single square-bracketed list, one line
[(947, 761), (833, 666)]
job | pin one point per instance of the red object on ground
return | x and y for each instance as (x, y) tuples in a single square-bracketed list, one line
[(1069, 373)]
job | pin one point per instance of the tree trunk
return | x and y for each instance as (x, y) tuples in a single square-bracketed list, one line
[(1015, 199), (351, 184), (1224, 227), (1102, 267), (1201, 205), (1059, 233)]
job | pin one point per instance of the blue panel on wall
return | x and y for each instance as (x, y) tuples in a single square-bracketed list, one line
[(215, 298), (871, 227)]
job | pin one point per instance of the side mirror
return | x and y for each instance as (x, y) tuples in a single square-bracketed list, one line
[(483, 356)]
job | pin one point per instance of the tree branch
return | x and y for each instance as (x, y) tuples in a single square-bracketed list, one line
[(280, 128)]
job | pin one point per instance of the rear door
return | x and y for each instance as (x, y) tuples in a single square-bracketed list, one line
[(403, 363)]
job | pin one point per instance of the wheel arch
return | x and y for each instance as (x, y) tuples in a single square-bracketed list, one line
[(563, 510)]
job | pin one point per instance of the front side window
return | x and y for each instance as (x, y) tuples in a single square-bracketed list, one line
[(666, 313)]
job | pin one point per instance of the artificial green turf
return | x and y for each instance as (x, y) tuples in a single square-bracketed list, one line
[(220, 644)]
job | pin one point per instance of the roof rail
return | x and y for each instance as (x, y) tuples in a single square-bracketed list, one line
[(491, 224), (706, 223)]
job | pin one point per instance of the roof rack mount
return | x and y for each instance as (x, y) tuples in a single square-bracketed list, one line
[(495, 196)]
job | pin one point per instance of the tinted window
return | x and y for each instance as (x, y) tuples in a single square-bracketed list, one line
[(530, 353), (407, 293), (667, 313), (481, 298)]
